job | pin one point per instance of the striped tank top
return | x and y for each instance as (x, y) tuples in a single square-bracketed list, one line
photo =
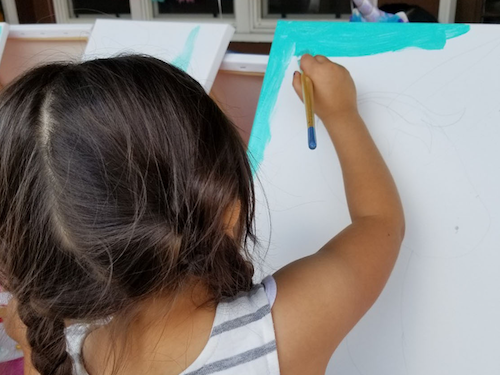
[(242, 340)]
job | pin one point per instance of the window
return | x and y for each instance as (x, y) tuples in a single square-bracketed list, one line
[(266, 13), (116, 8), (200, 8), (254, 20), (491, 12), (294, 8), (86, 11)]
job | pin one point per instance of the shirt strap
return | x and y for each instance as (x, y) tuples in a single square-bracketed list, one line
[(270, 288)]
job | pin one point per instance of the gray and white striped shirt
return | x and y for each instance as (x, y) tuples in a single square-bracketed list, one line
[(242, 339)]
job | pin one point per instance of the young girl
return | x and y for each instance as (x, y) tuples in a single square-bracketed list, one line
[(126, 213)]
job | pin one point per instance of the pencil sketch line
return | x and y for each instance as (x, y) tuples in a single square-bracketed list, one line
[(450, 124), (446, 62), (391, 146), (459, 75), (389, 94), (351, 356), (422, 108)]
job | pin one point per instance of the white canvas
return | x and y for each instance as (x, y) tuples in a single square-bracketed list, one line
[(435, 116), (196, 48)]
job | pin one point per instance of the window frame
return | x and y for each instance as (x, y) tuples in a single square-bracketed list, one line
[(10, 11), (249, 20)]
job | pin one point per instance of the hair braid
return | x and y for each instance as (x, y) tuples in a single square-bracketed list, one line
[(47, 341)]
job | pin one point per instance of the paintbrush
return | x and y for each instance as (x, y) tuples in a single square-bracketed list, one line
[(307, 95)]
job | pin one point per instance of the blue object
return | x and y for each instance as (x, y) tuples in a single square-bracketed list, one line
[(386, 17), (311, 137)]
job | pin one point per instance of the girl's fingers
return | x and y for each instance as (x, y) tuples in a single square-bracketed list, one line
[(321, 58), (306, 62), (297, 84)]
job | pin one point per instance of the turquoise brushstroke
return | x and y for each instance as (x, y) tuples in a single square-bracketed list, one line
[(334, 40), (182, 61)]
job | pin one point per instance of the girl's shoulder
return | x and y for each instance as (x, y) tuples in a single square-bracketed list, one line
[(247, 317), (242, 339)]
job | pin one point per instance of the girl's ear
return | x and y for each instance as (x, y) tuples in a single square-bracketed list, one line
[(231, 217)]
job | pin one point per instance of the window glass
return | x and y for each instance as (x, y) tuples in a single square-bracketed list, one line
[(196, 7), (108, 8), (291, 8)]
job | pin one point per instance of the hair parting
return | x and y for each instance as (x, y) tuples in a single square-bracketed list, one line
[(116, 179)]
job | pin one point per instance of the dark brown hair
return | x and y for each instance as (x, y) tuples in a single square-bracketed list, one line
[(116, 176)]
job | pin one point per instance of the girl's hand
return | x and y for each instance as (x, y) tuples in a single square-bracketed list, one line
[(333, 87)]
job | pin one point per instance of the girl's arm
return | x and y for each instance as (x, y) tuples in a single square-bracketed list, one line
[(321, 297)]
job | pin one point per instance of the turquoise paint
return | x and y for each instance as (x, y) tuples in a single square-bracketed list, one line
[(182, 61), (335, 40)]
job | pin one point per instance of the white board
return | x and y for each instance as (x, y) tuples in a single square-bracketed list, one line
[(434, 112), (196, 48)]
